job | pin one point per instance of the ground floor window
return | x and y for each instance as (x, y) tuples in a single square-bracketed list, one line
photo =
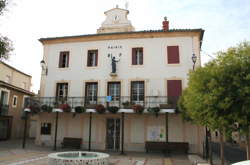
[(45, 128)]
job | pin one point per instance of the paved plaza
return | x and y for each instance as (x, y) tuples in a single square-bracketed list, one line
[(11, 153)]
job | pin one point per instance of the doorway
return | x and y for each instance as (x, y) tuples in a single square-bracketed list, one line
[(113, 134)]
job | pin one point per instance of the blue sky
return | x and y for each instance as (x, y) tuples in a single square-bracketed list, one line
[(226, 23)]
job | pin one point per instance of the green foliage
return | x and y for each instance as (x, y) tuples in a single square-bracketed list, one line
[(218, 94)]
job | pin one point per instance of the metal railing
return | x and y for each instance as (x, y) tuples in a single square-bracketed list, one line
[(4, 108), (123, 102)]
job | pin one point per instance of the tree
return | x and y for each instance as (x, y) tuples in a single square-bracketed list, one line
[(218, 94), (5, 44)]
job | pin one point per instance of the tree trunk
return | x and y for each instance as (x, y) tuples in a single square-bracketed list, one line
[(248, 145), (221, 148)]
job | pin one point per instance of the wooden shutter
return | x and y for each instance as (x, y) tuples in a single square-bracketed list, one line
[(133, 56), (173, 55), (141, 57), (96, 58), (67, 57), (174, 87), (88, 59), (60, 59)]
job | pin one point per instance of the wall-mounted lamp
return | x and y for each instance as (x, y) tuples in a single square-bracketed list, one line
[(44, 67), (194, 58)]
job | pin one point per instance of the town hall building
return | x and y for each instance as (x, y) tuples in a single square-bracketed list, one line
[(136, 76)]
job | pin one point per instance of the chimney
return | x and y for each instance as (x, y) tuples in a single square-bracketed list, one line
[(165, 24)]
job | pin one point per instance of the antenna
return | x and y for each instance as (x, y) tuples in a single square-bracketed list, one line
[(126, 5)]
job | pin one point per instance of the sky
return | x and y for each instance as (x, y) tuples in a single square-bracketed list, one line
[(226, 23)]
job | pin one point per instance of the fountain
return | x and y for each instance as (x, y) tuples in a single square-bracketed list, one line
[(78, 158)]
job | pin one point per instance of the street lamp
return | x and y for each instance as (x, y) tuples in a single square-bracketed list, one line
[(44, 67), (194, 58), (57, 110), (26, 111), (90, 111)]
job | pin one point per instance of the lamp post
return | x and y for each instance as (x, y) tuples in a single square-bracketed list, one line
[(44, 67), (26, 111), (57, 110), (122, 147), (90, 127)]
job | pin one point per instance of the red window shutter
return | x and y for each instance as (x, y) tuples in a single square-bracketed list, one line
[(88, 59), (67, 57), (96, 58), (133, 56), (141, 57), (174, 87), (60, 59), (173, 55)]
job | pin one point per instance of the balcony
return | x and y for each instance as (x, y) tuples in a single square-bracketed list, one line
[(4, 108), (124, 102)]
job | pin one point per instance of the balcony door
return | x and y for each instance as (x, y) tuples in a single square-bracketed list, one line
[(137, 92), (91, 93), (114, 90), (4, 98)]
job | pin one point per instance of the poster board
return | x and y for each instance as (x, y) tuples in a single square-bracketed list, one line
[(156, 133)]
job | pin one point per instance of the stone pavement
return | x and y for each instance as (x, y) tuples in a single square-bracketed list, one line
[(11, 153)]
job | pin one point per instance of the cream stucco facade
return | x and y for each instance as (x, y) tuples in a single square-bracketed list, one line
[(154, 73)]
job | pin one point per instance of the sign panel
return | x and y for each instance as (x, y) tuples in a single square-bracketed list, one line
[(156, 133)]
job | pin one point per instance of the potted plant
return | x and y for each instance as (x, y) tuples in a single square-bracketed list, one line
[(113, 109), (34, 108), (65, 107), (154, 110), (100, 108), (79, 109), (126, 105), (46, 108), (138, 108)]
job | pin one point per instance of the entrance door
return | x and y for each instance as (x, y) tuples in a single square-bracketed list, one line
[(113, 134)]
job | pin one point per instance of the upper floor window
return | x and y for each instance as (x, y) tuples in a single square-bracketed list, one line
[(64, 59), (62, 90), (173, 55), (92, 58), (137, 56), (14, 102), (174, 90), (137, 92)]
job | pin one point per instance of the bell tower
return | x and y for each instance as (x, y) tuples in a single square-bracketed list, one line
[(116, 21)]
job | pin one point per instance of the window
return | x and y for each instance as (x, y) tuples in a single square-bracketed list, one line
[(137, 92), (14, 102), (64, 59), (92, 58), (45, 128), (137, 56), (173, 55), (62, 91), (114, 90), (91, 93), (174, 90)]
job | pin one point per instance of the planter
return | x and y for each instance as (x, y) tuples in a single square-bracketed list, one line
[(166, 106), (80, 109), (65, 107), (100, 108), (127, 105), (46, 108), (154, 110), (138, 108), (113, 109), (35, 108)]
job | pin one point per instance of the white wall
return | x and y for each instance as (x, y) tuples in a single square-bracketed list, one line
[(155, 69)]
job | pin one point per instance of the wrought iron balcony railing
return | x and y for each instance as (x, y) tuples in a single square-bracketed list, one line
[(4, 108), (123, 102)]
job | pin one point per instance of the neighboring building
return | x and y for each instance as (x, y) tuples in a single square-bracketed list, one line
[(14, 89), (150, 69)]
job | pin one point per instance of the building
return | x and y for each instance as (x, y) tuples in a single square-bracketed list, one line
[(119, 67), (14, 89)]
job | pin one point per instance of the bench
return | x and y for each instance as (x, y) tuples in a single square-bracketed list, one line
[(166, 146), (69, 142)]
